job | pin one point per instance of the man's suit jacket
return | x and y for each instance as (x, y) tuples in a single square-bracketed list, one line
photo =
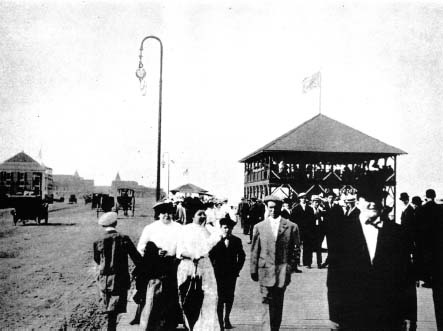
[(243, 209), (352, 213), (365, 294), (256, 213), (333, 221), (305, 219), (273, 259), (227, 261)]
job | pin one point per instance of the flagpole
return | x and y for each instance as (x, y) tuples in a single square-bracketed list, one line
[(319, 97)]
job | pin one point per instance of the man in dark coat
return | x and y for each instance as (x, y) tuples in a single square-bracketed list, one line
[(333, 220), (351, 211), (227, 258), (318, 229), (303, 216), (111, 254), (409, 224), (368, 278), (256, 215), (242, 212), (432, 214)]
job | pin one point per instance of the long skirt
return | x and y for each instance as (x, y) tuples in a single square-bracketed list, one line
[(207, 319), (161, 305)]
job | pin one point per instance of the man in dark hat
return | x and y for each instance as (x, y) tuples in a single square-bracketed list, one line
[(432, 223), (227, 258), (333, 220), (256, 214), (111, 254), (368, 277), (242, 212), (303, 216), (351, 209), (409, 223), (273, 259)]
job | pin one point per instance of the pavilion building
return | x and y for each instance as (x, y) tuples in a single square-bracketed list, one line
[(318, 156)]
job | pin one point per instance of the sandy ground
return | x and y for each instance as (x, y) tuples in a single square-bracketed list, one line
[(47, 272)]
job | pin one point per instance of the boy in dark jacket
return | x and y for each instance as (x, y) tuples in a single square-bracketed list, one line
[(111, 254), (227, 258)]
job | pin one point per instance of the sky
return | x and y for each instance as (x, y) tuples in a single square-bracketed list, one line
[(232, 82)]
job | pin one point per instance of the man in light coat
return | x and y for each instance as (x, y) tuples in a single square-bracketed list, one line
[(273, 260)]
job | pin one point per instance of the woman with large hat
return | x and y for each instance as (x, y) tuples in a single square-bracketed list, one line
[(156, 295), (195, 275)]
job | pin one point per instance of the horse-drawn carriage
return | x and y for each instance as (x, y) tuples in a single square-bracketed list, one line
[(125, 200), (102, 202), (28, 208)]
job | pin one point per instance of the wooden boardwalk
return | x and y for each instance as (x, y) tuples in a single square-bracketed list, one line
[(305, 306)]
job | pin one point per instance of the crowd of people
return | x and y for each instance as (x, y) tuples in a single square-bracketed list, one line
[(301, 172), (187, 261), (186, 265)]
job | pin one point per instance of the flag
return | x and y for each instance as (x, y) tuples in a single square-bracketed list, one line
[(40, 154), (311, 82), (186, 172)]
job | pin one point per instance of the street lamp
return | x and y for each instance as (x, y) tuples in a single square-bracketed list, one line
[(141, 74)]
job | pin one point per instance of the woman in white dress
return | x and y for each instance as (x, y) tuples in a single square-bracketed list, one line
[(195, 268)]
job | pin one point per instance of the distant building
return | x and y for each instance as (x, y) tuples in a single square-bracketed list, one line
[(22, 175), (65, 185), (140, 190)]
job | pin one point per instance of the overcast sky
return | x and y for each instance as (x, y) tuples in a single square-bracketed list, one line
[(232, 73)]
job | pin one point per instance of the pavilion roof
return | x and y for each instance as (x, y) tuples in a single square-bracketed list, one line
[(189, 188), (322, 134)]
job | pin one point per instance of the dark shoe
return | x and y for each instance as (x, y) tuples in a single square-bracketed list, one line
[(324, 265), (309, 267), (228, 325), (249, 242), (135, 321), (320, 266), (298, 271)]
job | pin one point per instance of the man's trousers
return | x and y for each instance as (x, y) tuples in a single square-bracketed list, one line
[(272, 300)]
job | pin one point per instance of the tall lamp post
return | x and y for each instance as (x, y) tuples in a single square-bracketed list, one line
[(141, 74)]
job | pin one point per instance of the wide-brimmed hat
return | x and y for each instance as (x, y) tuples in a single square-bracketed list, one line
[(108, 218), (164, 206), (315, 198), (302, 195)]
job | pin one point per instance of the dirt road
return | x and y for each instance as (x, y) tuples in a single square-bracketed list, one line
[(47, 271)]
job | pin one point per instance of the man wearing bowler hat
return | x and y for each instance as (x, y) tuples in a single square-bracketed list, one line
[(273, 259)]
